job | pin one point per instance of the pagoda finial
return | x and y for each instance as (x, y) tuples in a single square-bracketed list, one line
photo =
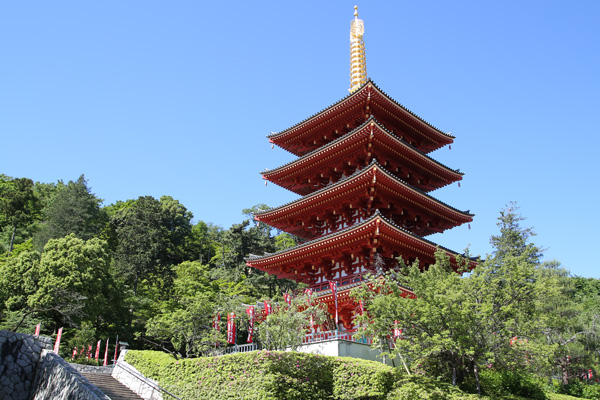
[(358, 63)]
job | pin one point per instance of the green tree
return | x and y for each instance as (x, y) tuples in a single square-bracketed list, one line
[(75, 284), (72, 209), (183, 325), (68, 284), (19, 279), (456, 324), (18, 208), (149, 237), (569, 321), (287, 326)]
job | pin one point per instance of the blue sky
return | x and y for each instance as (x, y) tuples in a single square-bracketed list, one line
[(176, 98)]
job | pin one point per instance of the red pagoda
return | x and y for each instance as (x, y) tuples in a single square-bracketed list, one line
[(364, 176)]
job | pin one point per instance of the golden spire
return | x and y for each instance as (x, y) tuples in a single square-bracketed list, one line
[(358, 63)]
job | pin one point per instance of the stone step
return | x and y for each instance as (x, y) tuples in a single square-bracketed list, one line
[(110, 386)]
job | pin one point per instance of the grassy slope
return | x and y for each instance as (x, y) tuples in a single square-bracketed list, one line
[(282, 375)]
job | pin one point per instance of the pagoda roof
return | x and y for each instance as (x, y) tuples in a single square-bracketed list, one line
[(373, 232), (351, 144), (368, 93), (346, 190)]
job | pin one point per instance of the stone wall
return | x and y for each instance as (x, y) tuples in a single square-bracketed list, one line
[(129, 376), (57, 380), (19, 358)]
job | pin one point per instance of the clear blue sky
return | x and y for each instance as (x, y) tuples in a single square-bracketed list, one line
[(176, 98)]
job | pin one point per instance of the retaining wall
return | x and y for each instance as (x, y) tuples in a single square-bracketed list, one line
[(57, 380), (19, 359), (129, 376)]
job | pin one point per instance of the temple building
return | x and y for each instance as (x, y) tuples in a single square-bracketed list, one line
[(364, 179)]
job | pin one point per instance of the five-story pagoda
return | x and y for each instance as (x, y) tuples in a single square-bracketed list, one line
[(364, 176)]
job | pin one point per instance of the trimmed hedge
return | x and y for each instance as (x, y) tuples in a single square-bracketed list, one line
[(266, 375), (417, 387)]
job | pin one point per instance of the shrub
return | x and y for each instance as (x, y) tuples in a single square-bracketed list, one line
[(360, 379), (422, 388), (591, 392), (581, 389), (266, 375), (506, 383)]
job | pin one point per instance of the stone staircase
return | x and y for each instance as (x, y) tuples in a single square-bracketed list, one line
[(110, 386)]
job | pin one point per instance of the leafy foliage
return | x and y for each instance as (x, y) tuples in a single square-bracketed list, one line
[(72, 209), (266, 375), (287, 325)]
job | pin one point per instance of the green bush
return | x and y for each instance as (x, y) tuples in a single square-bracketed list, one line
[(422, 388), (360, 379), (266, 375), (506, 383), (591, 392), (581, 389)]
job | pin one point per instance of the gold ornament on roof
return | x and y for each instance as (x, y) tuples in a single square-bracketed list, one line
[(358, 62)]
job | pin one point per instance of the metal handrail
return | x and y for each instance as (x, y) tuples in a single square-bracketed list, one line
[(142, 378)]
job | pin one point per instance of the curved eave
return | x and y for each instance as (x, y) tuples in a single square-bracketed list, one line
[(366, 91), (356, 181), (376, 224), (437, 169), (343, 293)]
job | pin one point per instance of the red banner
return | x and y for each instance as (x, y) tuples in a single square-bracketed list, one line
[(397, 331), (231, 328), (98, 349), (288, 298), (268, 308), (308, 293), (250, 312), (116, 348), (106, 354), (74, 353), (57, 343), (217, 322), (89, 352), (333, 287), (38, 327)]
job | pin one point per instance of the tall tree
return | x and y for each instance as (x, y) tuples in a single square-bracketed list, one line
[(70, 283), (18, 206), (457, 324), (150, 236), (72, 208)]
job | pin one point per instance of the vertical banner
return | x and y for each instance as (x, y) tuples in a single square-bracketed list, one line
[(98, 349), (308, 293), (74, 352), (333, 287), (288, 298), (268, 308), (397, 331), (106, 354), (250, 312), (231, 328), (38, 327), (217, 326), (57, 343), (89, 352), (116, 348)]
